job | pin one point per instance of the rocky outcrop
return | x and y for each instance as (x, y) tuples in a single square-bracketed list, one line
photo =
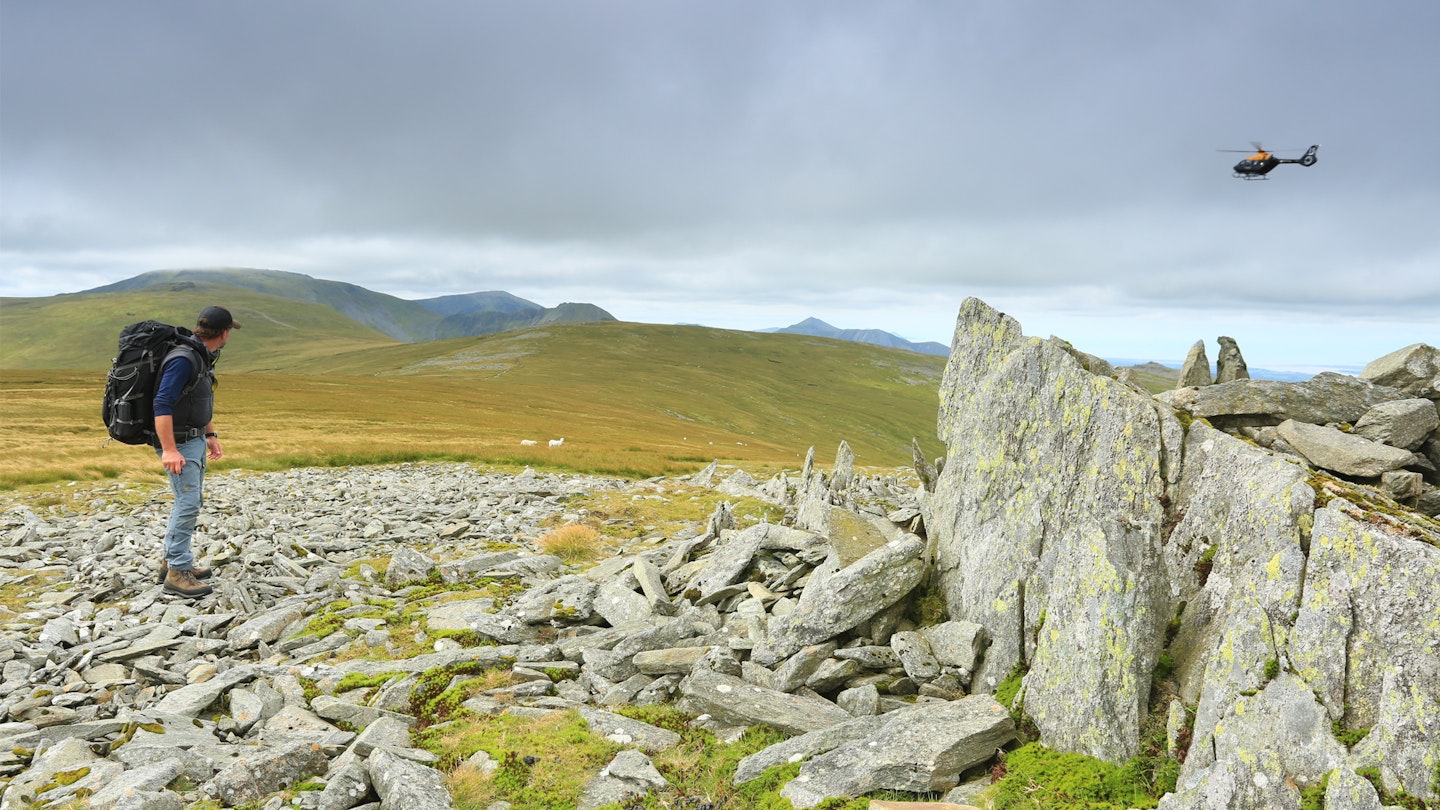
[(1273, 590), (1056, 518), (1230, 365), (1195, 371), (1414, 369)]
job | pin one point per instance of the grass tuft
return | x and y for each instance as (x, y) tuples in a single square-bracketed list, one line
[(574, 543)]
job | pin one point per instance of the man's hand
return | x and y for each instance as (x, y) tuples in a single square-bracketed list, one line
[(212, 443), (172, 461)]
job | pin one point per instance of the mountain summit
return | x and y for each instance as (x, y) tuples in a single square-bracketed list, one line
[(815, 327)]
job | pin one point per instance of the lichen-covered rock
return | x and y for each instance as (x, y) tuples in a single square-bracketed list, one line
[(1348, 790), (1404, 423), (1326, 397), (1414, 369), (408, 565), (849, 596), (807, 745), (403, 783), (1058, 514), (1235, 560), (1366, 638), (920, 749), (258, 774), (1342, 452), (1268, 747), (739, 703), (628, 775)]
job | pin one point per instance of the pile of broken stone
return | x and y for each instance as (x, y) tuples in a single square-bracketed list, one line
[(124, 696), (1380, 429)]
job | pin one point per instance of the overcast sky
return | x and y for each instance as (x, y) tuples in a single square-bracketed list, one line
[(750, 164)]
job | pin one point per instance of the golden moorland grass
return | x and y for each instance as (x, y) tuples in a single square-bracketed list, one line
[(630, 400)]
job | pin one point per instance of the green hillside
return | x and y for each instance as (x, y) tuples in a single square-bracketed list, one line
[(449, 316), (80, 331), (303, 385)]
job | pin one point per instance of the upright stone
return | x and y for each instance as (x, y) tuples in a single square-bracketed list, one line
[(844, 467), (1057, 513), (1196, 370), (1230, 366)]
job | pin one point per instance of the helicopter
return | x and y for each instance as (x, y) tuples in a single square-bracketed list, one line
[(1261, 162)]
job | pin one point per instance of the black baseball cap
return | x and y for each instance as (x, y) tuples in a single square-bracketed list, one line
[(217, 319)]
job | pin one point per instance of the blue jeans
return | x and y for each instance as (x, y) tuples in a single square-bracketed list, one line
[(189, 489)]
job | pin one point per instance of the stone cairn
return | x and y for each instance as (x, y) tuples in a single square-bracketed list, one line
[(113, 690), (1380, 429)]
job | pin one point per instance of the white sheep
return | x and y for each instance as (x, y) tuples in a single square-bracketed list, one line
[(557, 442), (528, 442)]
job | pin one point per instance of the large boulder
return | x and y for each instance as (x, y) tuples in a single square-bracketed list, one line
[(1414, 369), (839, 600), (1268, 747), (1236, 562), (1326, 397), (1341, 452), (1050, 504), (1367, 639), (921, 749), (1405, 423), (731, 700)]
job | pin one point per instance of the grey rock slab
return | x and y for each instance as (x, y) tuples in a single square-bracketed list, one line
[(668, 661), (806, 745), (1229, 364), (1059, 514), (456, 615), (850, 596), (491, 656), (739, 703), (65, 756), (383, 732), (337, 710), (258, 774), (407, 565), (920, 750), (1348, 790), (501, 627), (625, 731), (403, 784), (149, 779), (568, 598), (793, 672), (470, 567), (1327, 397), (191, 700), (267, 627), (629, 774), (1414, 369), (345, 788), (617, 603), (1341, 452), (1267, 748), (955, 643), (913, 650), (1405, 423)]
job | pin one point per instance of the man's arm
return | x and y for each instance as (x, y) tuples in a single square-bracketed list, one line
[(172, 381)]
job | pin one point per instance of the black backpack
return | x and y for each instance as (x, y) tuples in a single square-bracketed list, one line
[(128, 408)]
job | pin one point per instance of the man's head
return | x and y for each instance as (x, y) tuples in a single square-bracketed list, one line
[(213, 323)]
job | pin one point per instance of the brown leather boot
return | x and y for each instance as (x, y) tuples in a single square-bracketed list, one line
[(185, 584), (199, 572)]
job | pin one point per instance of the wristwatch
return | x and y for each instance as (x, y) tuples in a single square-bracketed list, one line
[(212, 435)]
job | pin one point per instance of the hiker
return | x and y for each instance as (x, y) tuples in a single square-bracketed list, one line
[(185, 437)]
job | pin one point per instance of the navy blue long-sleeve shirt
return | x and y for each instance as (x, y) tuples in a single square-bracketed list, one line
[(172, 382)]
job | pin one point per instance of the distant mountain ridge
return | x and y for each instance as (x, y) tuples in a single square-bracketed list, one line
[(448, 316), (815, 327)]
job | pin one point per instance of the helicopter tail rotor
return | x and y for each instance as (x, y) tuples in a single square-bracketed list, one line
[(1309, 159)]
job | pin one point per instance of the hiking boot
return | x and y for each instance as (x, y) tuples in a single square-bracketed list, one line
[(185, 584), (200, 573)]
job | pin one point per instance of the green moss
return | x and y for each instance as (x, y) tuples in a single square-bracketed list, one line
[(1038, 777), (1313, 797), (1348, 736), (1399, 799), (1008, 688), (356, 680), (1272, 669), (64, 779), (434, 700), (926, 606)]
